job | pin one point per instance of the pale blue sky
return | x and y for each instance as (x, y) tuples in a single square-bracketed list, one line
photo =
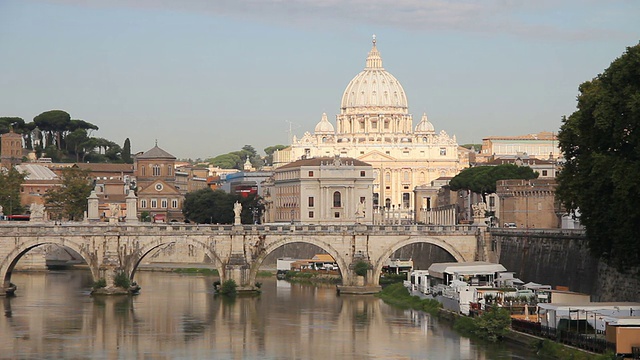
[(207, 77)]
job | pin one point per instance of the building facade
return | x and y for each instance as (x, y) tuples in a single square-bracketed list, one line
[(156, 184), (10, 149), (374, 126), (543, 145), (323, 190)]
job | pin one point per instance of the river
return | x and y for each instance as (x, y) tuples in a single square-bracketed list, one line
[(178, 317)]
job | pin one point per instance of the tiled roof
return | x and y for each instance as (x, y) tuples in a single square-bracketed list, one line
[(105, 167), (156, 153)]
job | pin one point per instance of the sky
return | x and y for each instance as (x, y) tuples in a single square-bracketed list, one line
[(206, 77)]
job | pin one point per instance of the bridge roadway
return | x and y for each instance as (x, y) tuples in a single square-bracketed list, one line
[(236, 250)]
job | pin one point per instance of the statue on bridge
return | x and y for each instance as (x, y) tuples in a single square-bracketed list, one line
[(237, 209), (37, 212)]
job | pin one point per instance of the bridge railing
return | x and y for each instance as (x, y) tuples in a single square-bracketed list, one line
[(76, 228)]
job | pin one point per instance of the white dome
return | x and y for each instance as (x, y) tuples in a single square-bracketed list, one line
[(424, 126), (324, 126), (375, 87)]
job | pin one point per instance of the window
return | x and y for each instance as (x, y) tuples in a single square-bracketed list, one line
[(336, 214), (405, 200), (443, 151), (164, 203), (143, 203), (169, 170), (156, 170), (376, 199), (310, 173), (174, 203), (406, 176), (362, 173), (311, 201), (362, 199), (387, 177), (544, 173), (143, 170), (337, 199), (154, 203), (310, 214), (387, 203)]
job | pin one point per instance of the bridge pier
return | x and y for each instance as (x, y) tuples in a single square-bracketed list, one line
[(239, 270)]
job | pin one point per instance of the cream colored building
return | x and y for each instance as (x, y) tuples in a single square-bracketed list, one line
[(375, 126), (543, 145), (323, 190)]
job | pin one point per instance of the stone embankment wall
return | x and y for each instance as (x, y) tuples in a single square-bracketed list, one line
[(562, 258)]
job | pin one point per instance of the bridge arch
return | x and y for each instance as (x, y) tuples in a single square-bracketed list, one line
[(270, 247), (11, 259), (159, 243), (380, 261)]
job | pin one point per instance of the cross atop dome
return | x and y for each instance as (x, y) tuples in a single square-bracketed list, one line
[(374, 61)]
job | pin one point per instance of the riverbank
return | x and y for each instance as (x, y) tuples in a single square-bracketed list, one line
[(398, 295)]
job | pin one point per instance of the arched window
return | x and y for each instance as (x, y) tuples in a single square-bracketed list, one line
[(143, 169), (387, 203), (337, 199), (156, 170)]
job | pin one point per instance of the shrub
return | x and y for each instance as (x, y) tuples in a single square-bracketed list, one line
[(396, 294), (492, 325), (228, 287), (100, 283), (122, 280), (361, 268)]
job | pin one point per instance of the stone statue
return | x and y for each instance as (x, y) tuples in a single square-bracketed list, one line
[(37, 212), (479, 209), (115, 210), (237, 209)]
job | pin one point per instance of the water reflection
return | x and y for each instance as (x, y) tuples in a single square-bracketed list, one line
[(178, 316)]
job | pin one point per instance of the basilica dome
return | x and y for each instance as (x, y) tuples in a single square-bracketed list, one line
[(424, 126), (324, 126), (374, 87)]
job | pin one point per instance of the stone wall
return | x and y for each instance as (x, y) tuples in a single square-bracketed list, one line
[(561, 258)]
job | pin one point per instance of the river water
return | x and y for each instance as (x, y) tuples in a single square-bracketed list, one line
[(178, 317)]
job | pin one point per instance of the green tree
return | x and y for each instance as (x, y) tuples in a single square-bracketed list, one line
[(69, 201), (206, 206), (268, 160), (226, 161), (482, 179), (601, 146), (126, 152), (54, 123), (10, 182), (15, 123)]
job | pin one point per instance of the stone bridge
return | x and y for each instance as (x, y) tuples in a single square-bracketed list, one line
[(237, 251)]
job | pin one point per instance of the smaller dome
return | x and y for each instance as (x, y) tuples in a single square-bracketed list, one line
[(324, 126), (424, 126)]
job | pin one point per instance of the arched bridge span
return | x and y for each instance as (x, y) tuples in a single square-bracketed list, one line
[(239, 249)]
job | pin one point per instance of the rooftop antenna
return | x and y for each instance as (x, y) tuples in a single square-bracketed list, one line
[(290, 131)]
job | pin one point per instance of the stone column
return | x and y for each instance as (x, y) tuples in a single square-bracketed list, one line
[(132, 207), (92, 212)]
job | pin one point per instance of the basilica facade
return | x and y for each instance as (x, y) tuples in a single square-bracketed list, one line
[(374, 126)]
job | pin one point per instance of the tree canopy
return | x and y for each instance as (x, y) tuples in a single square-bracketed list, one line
[(69, 201), (482, 179), (206, 206), (601, 146), (10, 181)]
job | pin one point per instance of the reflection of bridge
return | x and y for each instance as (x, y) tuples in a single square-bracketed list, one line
[(237, 251)]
